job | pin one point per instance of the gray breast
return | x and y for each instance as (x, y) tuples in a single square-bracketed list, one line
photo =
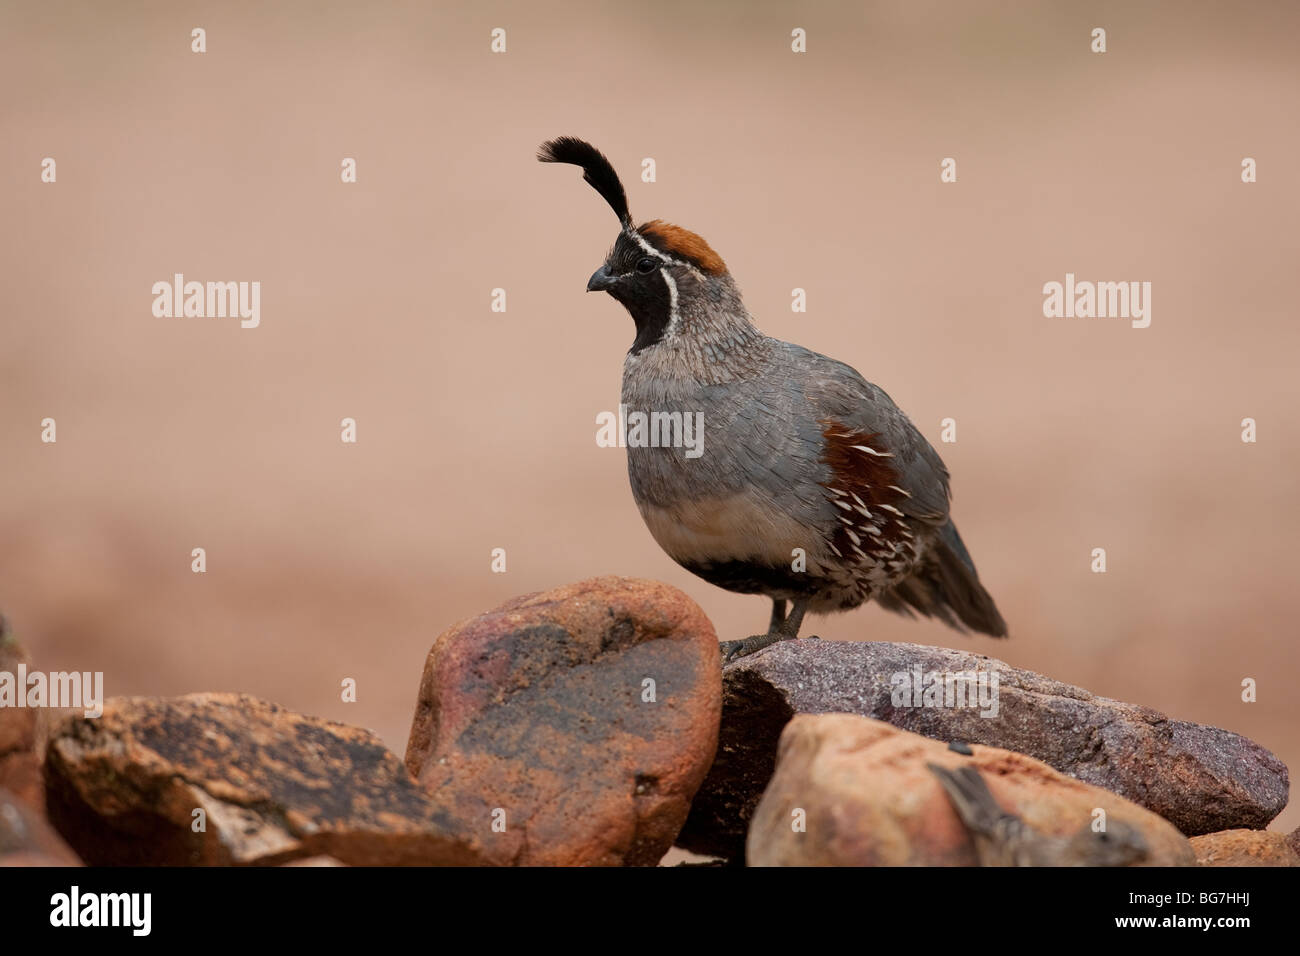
[(751, 489)]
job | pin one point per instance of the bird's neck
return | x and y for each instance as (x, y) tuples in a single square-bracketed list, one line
[(710, 340)]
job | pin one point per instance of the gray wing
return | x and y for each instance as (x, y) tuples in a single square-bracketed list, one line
[(838, 392)]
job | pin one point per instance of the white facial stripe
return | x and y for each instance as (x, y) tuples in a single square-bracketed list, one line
[(672, 303), (673, 315), (645, 246)]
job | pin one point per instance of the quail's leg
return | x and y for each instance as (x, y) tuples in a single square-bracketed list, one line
[(782, 629), (778, 615)]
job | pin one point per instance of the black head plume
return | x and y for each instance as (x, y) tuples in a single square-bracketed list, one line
[(596, 169)]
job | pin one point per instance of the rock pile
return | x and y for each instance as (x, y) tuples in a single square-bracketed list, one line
[(1201, 779), (593, 725)]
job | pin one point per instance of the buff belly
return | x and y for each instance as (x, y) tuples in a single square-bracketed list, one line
[(743, 544)]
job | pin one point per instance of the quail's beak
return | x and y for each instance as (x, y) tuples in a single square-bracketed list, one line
[(601, 280)]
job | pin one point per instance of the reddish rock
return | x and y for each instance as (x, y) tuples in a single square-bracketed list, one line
[(20, 770), (849, 791), (273, 786), (27, 840), (581, 720), (316, 861), (1202, 779), (1245, 848)]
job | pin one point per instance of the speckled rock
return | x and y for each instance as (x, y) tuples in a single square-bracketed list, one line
[(20, 770), (272, 786), (1202, 779), (1245, 848), (849, 791), (27, 840), (571, 727)]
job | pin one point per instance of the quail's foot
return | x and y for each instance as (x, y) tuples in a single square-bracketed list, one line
[(735, 650)]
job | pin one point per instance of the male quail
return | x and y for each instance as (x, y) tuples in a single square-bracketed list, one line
[(1003, 839), (811, 485)]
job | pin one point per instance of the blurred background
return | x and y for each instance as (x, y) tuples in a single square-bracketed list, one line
[(476, 429)]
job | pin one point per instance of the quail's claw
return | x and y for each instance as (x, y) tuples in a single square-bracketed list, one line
[(734, 650)]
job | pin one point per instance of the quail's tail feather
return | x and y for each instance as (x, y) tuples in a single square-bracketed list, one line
[(947, 587)]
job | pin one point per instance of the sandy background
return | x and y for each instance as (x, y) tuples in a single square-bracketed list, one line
[(477, 428)]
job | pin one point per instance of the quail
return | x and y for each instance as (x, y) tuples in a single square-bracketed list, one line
[(808, 485), (1003, 839)]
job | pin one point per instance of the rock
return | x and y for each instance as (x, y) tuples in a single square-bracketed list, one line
[(536, 716), (1293, 840), (26, 839), (20, 774), (1199, 778), (273, 786), (1245, 848), (867, 798), (316, 861), (20, 769)]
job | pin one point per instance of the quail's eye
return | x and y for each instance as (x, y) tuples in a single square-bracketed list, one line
[(647, 264)]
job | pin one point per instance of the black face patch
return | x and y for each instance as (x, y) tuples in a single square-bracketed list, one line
[(643, 293)]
